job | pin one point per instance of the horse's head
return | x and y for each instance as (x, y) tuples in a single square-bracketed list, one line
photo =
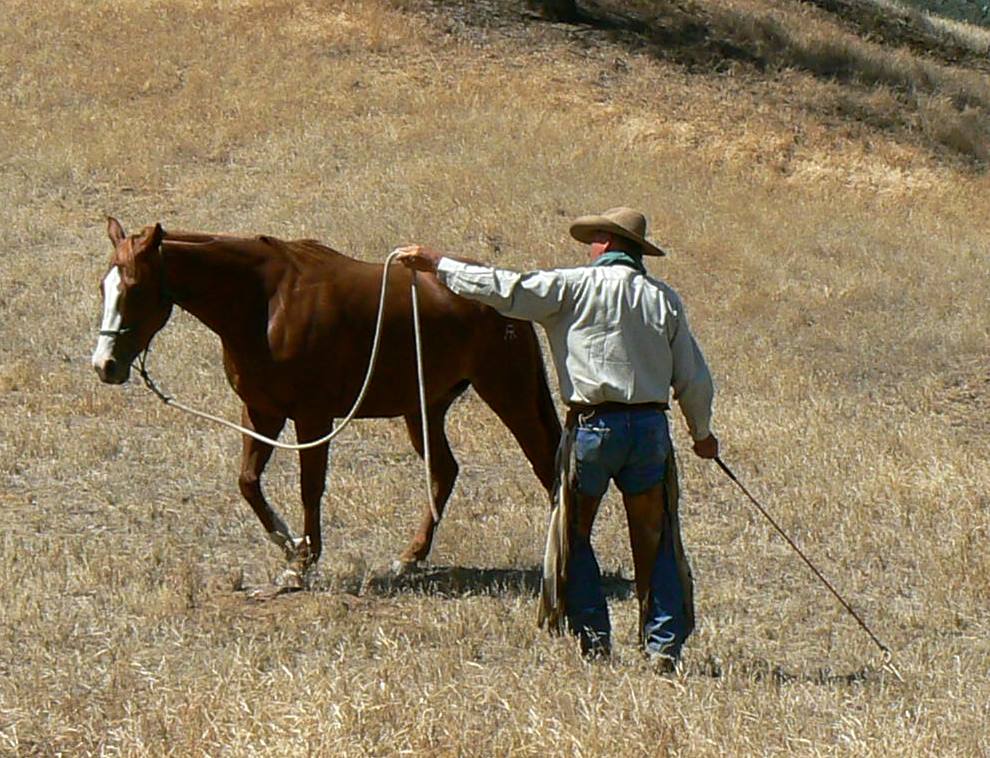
[(135, 300)]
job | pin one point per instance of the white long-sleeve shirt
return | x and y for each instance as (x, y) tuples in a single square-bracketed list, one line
[(615, 335)]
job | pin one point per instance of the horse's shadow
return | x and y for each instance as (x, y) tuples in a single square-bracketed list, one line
[(460, 581)]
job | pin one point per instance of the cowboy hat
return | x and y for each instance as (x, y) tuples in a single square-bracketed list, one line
[(623, 222)]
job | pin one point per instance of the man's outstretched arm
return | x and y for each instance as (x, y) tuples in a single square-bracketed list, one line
[(534, 296)]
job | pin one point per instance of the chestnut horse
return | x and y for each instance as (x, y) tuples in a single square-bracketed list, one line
[(296, 321)]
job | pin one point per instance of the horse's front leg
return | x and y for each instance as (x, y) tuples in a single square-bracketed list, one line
[(443, 475), (254, 457), (313, 475)]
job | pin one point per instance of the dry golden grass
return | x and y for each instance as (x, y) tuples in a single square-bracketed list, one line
[(833, 254)]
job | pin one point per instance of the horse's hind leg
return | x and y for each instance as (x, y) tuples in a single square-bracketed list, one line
[(443, 473), (254, 457)]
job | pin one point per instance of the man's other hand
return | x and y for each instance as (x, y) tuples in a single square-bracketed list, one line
[(707, 448), (418, 258)]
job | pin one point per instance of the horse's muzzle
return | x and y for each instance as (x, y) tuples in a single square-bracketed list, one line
[(112, 371)]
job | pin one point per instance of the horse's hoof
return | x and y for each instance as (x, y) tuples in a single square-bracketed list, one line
[(404, 566), (290, 580), (265, 592), (296, 549)]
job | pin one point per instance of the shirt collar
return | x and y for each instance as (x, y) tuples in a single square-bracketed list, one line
[(619, 258)]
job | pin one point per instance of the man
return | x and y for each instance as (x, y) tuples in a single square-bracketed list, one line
[(620, 341)]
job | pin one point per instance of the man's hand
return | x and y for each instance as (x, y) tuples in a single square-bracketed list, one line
[(707, 448), (418, 258)]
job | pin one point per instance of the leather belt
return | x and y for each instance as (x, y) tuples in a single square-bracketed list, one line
[(581, 409)]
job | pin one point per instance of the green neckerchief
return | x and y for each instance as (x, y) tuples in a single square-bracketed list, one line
[(618, 258)]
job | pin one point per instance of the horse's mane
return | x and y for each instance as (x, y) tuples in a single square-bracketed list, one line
[(303, 248), (198, 238)]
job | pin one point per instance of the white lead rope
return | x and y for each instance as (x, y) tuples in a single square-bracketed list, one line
[(168, 400), (422, 396)]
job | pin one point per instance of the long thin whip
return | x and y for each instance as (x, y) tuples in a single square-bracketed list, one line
[(887, 655), (169, 400)]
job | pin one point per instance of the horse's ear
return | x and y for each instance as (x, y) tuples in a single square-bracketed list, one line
[(150, 239), (115, 231)]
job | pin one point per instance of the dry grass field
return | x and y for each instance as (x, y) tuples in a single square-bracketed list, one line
[(819, 171)]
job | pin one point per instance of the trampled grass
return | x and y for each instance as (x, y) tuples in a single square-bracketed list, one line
[(830, 242)]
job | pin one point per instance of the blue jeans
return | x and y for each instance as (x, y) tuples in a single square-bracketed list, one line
[(630, 447)]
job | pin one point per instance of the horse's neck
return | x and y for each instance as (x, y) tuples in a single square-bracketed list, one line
[(221, 283)]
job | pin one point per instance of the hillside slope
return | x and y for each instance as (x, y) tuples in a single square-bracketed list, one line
[(836, 74)]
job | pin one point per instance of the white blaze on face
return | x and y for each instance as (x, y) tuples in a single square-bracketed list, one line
[(111, 317)]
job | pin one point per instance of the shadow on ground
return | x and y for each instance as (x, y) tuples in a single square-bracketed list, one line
[(458, 581), (761, 670)]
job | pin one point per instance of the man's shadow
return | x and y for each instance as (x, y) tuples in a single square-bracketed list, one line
[(459, 581)]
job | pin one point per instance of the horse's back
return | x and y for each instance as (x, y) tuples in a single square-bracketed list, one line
[(320, 313)]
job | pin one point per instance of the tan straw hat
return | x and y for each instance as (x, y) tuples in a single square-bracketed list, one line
[(624, 222)]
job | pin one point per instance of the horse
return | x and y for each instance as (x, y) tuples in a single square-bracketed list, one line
[(296, 321)]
